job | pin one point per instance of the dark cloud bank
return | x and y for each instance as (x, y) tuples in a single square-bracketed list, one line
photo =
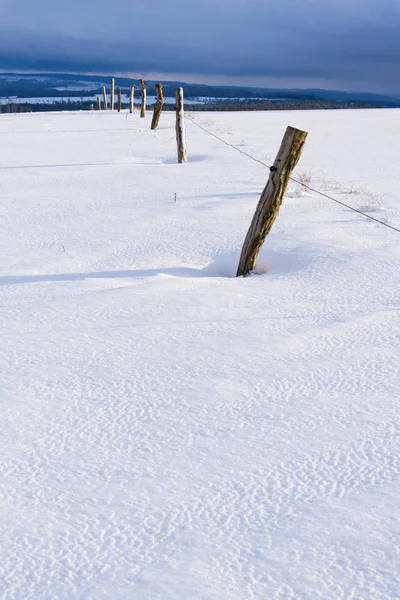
[(358, 45)]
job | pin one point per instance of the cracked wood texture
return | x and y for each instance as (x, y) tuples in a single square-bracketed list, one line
[(112, 93), (143, 105), (271, 198), (132, 99), (158, 107), (103, 89), (180, 126)]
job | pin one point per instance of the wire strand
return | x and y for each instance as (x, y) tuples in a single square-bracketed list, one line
[(226, 143), (360, 212)]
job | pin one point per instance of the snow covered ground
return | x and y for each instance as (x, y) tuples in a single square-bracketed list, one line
[(172, 432)]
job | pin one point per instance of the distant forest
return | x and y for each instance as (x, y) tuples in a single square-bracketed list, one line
[(71, 92), (221, 105)]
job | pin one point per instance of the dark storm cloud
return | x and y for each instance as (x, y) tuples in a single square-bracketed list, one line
[(351, 42)]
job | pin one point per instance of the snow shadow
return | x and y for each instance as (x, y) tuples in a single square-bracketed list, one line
[(225, 265), (191, 158), (127, 163), (269, 261), (175, 272)]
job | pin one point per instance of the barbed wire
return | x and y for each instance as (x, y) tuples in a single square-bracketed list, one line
[(227, 143), (304, 185)]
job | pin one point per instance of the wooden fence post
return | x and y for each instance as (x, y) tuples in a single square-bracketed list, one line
[(180, 126), (92, 107), (271, 198), (98, 103), (119, 99), (104, 97), (132, 99), (143, 105), (112, 93), (158, 107)]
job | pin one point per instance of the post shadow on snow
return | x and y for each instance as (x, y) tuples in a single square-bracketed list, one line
[(75, 165), (191, 158), (127, 163), (224, 266), (224, 195), (268, 262), (175, 272), (63, 166), (69, 131)]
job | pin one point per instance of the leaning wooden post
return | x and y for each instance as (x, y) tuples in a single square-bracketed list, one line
[(158, 107), (105, 105), (98, 103), (112, 93), (271, 198), (119, 99), (180, 126), (143, 105), (132, 99)]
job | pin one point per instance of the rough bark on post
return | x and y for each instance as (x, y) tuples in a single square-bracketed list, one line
[(112, 93), (180, 126), (158, 107), (119, 99), (132, 99), (271, 198), (143, 105), (103, 89), (98, 103)]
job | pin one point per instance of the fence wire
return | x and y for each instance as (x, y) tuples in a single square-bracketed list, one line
[(304, 185)]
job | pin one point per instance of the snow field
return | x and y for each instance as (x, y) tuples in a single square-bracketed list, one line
[(170, 431)]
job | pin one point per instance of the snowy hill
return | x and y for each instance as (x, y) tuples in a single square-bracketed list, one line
[(168, 430)]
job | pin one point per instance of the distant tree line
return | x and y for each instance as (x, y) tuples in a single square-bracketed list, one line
[(252, 105), (224, 105)]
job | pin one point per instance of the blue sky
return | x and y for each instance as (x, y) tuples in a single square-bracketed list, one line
[(350, 44)]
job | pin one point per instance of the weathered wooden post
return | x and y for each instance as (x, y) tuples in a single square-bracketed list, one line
[(105, 105), (271, 198), (112, 93), (158, 107), (92, 107), (119, 99), (143, 105), (98, 103), (180, 126), (132, 99)]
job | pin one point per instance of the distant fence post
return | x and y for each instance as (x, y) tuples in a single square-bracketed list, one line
[(112, 93), (180, 126), (132, 99), (119, 99), (271, 198), (158, 107), (143, 105), (92, 107), (103, 89), (98, 103)]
